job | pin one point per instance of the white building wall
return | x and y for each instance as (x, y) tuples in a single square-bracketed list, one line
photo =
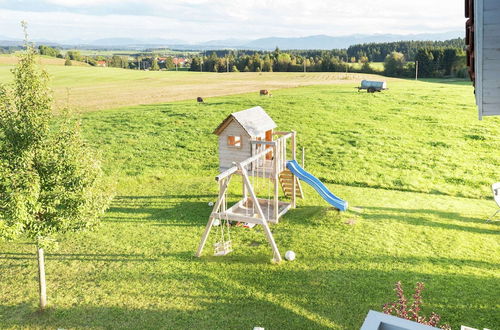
[(229, 154), (487, 52)]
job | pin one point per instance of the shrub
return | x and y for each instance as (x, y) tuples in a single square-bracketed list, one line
[(394, 64), (401, 309), (366, 68)]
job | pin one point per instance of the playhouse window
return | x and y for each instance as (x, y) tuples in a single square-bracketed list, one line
[(234, 141)]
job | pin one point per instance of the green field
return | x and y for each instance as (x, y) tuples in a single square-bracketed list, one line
[(414, 161)]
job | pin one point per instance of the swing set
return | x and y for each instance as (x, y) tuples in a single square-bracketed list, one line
[(265, 169), (249, 147)]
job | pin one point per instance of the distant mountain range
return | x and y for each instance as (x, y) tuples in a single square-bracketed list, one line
[(310, 42)]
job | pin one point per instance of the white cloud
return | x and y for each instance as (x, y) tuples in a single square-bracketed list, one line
[(197, 20), (79, 3)]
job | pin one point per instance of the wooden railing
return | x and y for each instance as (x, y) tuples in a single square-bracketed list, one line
[(277, 148)]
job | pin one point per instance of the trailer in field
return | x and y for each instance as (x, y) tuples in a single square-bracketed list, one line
[(372, 86)]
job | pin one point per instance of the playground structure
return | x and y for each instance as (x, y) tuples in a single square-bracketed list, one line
[(250, 147)]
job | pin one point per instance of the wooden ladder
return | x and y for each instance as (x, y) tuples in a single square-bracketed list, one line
[(287, 184)]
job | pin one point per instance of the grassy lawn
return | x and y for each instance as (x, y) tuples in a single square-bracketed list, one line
[(414, 161)]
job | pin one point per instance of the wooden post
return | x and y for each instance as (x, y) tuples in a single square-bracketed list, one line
[(265, 224), (294, 157), (223, 184), (245, 192), (41, 279), (276, 161), (416, 70)]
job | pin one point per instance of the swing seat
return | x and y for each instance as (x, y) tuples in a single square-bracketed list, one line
[(222, 248)]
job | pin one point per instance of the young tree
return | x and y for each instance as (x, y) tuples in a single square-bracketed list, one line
[(267, 66), (47, 50), (154, 65), (366, 68), (50, 182), (67, 62), (426, 62), (74, 55), (394, 64), (195, 64)]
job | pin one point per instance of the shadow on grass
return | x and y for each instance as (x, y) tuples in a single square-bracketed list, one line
[(420, 217), (215, 307), (79, 257), (349, 293), (243, 292), (272, 298), (167, 210), (450, 81)]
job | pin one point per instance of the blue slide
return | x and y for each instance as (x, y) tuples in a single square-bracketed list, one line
[(314, 182)]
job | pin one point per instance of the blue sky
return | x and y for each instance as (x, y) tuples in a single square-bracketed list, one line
[(202, 20)]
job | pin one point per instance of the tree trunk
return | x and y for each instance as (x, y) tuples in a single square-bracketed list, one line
[(41, 279)]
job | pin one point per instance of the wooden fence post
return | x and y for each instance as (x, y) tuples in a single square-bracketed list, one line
[(41, 278)]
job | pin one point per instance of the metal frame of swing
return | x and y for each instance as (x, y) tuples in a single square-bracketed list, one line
[(239, 211)]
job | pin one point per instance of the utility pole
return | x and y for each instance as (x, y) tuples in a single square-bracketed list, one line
[(416, 70), (227, 64)]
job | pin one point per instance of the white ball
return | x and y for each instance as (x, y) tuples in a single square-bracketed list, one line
[(210, 203), (216, 222), (290, 255)]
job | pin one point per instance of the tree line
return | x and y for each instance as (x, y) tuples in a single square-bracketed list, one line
[(9, 49), (276, 61), (130, 61), (377, 52), (432, 62), (435, 59), (428, 63)]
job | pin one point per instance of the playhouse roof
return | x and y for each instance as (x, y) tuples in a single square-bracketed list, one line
[(255, 121)]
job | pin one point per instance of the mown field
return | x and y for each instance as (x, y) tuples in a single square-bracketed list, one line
[(414, 162), (87, 88)]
